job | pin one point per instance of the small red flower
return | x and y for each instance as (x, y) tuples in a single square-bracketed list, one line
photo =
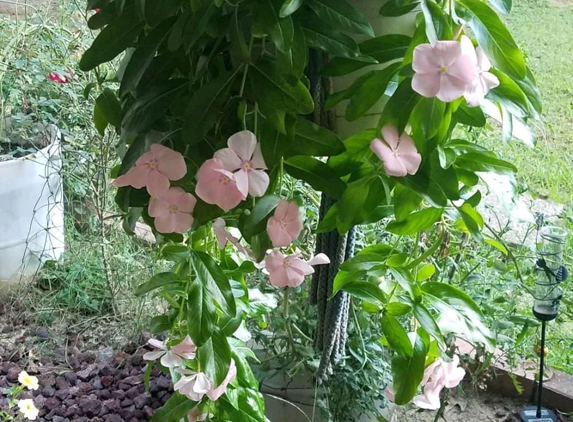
[(97, 10), (56, 77)]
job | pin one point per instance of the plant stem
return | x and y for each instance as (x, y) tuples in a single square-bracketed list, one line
[(440, 410), (244, 81), (286, 316)]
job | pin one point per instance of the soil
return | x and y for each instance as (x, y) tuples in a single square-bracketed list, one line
[(83, 376), (9, 8)]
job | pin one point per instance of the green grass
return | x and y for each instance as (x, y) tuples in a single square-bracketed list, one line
[(544, 30)]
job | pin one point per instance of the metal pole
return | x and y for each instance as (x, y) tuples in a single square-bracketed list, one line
[(541, 368)]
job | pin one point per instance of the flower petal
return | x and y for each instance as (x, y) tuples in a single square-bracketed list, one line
[(157, 184), (214, 394), (170, 360), (169, 162), (157, 344), (220, 232), (153, 355), (319, 259), (424, 59), (158, 207), (182, 222), (230, 160), (242, 181), (464, 70), (427, 84), (186, 349), (392, 164), (469, 50), (258, 182), (411, 162), (243, 144), (447, 52), (212, 188), (258, 161), (302, 267), (451, 88), (390, 135), (136, 177)]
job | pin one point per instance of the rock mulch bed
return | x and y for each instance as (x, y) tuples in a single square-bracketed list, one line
[(102, 387)]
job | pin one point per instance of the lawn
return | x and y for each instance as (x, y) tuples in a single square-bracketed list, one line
[(544, 31)]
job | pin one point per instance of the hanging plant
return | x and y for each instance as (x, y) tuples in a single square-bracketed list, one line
[(211, 105)]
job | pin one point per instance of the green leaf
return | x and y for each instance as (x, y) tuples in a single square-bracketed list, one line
[(157, 281), (289, 7), (321, 36), (370, 92), (336, 97), (312, 139), (214, 280), (397, 308), (272, 89), (280, 30), (109, 107), (409, 372), (368, 258), (142, 58), (493, 37), (426, 188), (474, 161), (158, 10), (255, 222), (357, 150), (510, 95), (339, 14), (150, 107), (293, 61), (215, 357), (100, 121), (473, 220), (205, 106), (426, 272), (364, 290), (160, 324), (316, 173), (201, 313), (451, 301), (405, 201), (531, 90), (427, 322), (399, 107), (360, 198), (469, 116), (176, 408), (111, 41), (198, 24), (394, 8), (396, 335), (427, 117), (504, 6), (415, 222), (438, 26)]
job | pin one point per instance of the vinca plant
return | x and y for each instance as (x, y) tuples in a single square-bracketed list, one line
[(213, 105)]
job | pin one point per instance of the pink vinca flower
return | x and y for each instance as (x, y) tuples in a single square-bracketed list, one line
[(289, 271), (285, 225), (171, 358), (442, 70), (245, 160), (154, 170), (398, 153), (172, 211), (56, 77), (476, 92), (437, 376), (215, 393), (193, 385), (217, 186), (223, 235)]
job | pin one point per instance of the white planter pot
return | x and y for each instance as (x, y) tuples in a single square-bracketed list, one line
[(382, 26), (31, 213)]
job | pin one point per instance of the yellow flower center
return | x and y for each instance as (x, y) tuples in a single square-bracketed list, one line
[(224, 179), (247, 166), (173, 209), (287, 263), (152, 164), (283, 224), (443, 69)]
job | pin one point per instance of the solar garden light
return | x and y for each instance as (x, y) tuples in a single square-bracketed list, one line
[(550, 273)]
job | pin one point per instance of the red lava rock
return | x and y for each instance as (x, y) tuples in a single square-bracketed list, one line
[(90, 405), (72, 411), (48, 380), (148, 412), (107, 380), (63, 394), (12, 373), (118, 394), (108, 371), (133, 392), (39, 401), (133, 380), (127, 412), (112, 405), (113, 418), (48, 391), (103, 394), (62, 383), (87, 373), (96, 382), (71, 377), (60, 419), (85, 387), (74, 391), (141, 400), (52, 403), (164, 382), (156, 404), (126, 403), (96, 420)]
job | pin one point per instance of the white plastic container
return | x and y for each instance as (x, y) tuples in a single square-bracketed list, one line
[(31, 213)]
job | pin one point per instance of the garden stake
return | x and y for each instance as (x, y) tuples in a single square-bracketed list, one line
[(551, 273)]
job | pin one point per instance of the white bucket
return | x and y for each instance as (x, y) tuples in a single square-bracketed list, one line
[(31, 213)]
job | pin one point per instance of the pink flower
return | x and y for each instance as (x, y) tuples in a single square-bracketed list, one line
[(193, 385), (437, 376), (285, 225), (172, 211), (97, 10), (244, 154), (218, 186), (476, 92), (223, 235), (215, 393), (154, 170), (196, 416), (289, 271), (398, 153), (56, 77), (174, 357), (442, 70)]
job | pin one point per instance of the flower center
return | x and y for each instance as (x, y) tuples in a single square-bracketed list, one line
[(224, 179), (247, 166), (283, 224), (173, 209), (287, 263), (152, 164), (443, 69)]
